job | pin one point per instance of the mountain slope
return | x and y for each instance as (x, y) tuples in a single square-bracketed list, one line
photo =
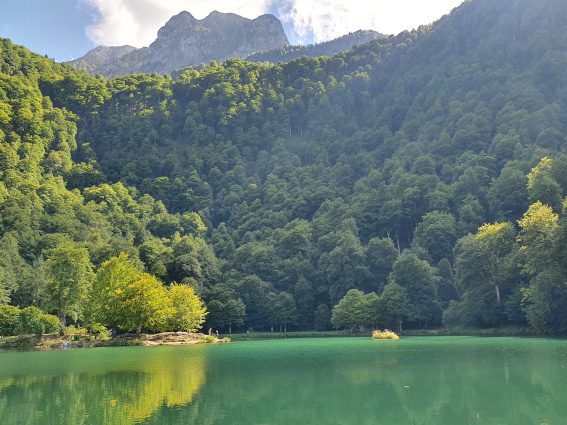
[(100, 56), (372, 169), (327, 48)]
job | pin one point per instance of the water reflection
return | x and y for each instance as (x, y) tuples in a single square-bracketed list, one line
[(113, 386)]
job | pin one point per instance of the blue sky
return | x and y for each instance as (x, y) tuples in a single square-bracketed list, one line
[(67, 29)]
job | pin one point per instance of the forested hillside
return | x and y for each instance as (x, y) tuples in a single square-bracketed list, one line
[(426, 171), (326, 48)]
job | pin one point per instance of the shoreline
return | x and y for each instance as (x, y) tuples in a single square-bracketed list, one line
[(54, 341)]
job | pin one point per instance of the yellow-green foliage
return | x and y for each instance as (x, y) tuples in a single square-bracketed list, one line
[(73, 330), (543, 167), (188, 311), (385, 334), (51, 323)]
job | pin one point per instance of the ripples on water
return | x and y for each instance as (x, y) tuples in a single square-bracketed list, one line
[(445, 380)]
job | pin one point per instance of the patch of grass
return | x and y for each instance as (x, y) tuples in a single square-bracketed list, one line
[(21, 341), (120, 342)]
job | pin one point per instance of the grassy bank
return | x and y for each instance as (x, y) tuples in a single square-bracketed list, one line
[(505, 331), (85, 340), (184, 338), (303, 334)]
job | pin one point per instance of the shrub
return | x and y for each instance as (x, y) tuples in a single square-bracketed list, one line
[(51, 323), (73, 330), (210, 338), (30, 321), (385, 334), (99, 331), (9, 319)]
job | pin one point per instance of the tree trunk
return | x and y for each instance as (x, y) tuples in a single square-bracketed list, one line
[(497, 290), (139, 330), (229, 329), (285, 327), (61, 317)]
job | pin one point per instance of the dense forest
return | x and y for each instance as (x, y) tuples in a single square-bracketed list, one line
[(417, 179), (325, 48)]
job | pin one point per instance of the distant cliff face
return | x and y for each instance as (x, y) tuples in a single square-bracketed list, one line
[(185, 41)]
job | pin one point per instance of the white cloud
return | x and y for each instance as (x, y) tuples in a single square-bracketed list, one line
[(136, 22), (328, 19)]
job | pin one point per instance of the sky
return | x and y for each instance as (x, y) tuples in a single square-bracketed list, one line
[(68, 29)]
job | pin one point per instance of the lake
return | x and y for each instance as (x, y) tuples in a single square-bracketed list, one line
[(416, 380)]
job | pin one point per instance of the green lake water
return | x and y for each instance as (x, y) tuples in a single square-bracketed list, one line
[(416, 380)]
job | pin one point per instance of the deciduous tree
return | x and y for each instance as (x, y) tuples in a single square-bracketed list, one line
[(69, 272)]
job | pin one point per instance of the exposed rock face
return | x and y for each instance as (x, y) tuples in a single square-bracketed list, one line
[(185, 41), (100, 56)]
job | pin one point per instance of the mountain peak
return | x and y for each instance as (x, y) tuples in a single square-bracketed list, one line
[(184, 41)]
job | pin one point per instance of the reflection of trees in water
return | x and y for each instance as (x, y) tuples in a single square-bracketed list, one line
[(111, 396)]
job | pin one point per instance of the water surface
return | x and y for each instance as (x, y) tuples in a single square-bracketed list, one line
[(417, 380)]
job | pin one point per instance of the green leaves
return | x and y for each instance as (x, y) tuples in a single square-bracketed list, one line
[(125, 297), (188, 312), (69, 273), (320, 171), (355, 309)]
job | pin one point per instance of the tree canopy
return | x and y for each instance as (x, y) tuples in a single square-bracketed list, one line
[(433, 160)]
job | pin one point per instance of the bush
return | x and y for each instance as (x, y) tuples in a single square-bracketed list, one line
[(99, 331), (385, 334), (30, 322), (73, 330), (9, 320), (210, 338), (51, 323)]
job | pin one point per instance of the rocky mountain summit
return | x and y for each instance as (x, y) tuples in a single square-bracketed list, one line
[(186, 41)]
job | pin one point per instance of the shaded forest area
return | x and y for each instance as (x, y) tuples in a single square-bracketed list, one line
[(426, 172)]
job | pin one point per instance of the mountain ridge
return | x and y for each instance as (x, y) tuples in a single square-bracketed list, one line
[(100, 56), (185, 40)]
